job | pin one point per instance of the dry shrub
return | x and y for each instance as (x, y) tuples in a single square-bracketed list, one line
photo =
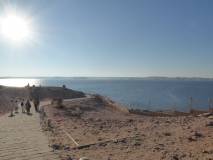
[(100, 99), (58, 103)]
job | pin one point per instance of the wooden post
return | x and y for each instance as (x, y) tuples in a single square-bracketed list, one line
[(210, 105), (209, 101), (190, 104)]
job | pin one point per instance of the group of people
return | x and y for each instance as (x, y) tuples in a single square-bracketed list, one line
[(25, 106)]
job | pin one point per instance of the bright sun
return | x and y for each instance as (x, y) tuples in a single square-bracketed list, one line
[(15, 28)]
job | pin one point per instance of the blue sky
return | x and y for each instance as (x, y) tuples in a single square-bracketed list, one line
[(112, 38)]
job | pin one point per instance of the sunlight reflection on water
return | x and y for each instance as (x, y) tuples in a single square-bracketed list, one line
[(19, 82)]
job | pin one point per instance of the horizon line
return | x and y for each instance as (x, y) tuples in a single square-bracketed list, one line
[(157, 77)]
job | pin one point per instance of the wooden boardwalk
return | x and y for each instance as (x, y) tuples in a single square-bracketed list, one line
[(21, 138)]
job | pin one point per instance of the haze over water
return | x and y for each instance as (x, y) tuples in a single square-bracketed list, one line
[(135, 93)]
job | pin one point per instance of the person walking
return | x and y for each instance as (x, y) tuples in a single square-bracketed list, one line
[(36, 103), (28, 106), (12, 108), (22, 106), (16, 106)]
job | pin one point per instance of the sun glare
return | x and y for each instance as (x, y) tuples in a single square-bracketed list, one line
[(15, 28)]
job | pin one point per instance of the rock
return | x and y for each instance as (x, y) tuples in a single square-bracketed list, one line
[(210, 124), (115, 141), (100, 139), (167, 134), (130, 120), (49, 123), (84, 158), (205, 151), (192, 138), (198, 135), (175, 157), (67, 148), (195, 136), (101, 127), (156, 122), (56, 146), (103, 144), (206, 114), (98, 120), (210, 117), (91, 119), (69, 158), (167, 121), (136, 143), (208, 151), (123, 141), (156, 148)]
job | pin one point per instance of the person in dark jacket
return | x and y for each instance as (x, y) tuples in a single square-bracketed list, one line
[(28, 106), (36, 103), (22, 107)]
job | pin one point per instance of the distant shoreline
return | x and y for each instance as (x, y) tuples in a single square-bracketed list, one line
[(114, 78)]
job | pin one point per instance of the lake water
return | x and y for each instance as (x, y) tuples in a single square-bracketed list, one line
[(134, 93)]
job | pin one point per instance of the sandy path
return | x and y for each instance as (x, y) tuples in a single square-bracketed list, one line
[(21, 138)]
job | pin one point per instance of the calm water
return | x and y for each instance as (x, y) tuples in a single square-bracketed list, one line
[(137, 93)]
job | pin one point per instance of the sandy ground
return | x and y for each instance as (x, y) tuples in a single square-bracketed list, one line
[(92, 128), (96, 128), (21, 138)]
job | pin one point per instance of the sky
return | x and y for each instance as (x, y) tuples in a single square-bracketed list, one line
[(112, 38)]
